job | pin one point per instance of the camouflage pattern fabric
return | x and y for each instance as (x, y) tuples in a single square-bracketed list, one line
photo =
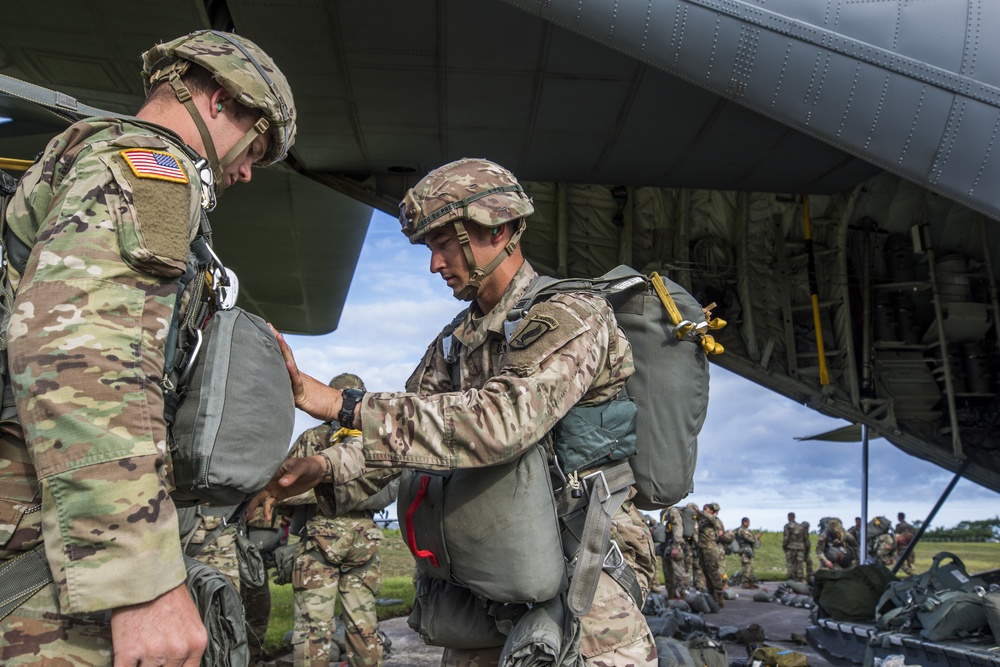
[(835, 538), (708, 549), (238, 75), (883, 550), (904, 535), (807, 551), (675, 575), (86, 351), (516, 396), (338, 555), (746, 536), (793, 544), (221, 553)]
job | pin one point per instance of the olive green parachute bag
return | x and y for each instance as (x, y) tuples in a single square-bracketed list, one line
[(671, 337)]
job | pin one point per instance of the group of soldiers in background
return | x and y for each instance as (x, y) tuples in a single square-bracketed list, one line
[(693, 544), (838, 549)]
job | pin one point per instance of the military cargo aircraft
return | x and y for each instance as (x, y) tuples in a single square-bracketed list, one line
[(824, 172)]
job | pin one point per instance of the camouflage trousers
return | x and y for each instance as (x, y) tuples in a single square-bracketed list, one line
[(346, 563), (257, 605), (746, 570), (807, 558), (37, 635), (615, 633), (675, 576), (794, 562), (693, 565), (711, 568), (907, 565)]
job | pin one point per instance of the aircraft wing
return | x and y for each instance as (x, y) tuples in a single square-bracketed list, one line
[(673, 134)]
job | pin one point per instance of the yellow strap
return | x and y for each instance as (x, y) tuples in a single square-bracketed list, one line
[(344, 433), (668, 301), (14, 164)]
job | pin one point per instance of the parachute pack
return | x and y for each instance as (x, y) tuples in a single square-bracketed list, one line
[(670, 335), (689, 518)]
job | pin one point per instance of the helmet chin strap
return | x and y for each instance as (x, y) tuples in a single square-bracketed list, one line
[(476, 273), (218, 167)]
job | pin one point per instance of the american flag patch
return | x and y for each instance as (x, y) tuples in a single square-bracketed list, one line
[(154, 164)]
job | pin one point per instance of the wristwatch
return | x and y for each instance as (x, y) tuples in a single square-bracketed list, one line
[(351, 398)]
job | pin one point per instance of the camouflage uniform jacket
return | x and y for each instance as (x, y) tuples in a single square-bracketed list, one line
[(792, 538), (335, 500), (883, 550), (86, 351), (675, 528), (746, 538), (709, 528), (509, 399)]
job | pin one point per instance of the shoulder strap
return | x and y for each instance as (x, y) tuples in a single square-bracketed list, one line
[(449, 346)]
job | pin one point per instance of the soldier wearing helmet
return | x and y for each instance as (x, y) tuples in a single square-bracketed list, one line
[(487, 390), (338, 553), (108, 213)]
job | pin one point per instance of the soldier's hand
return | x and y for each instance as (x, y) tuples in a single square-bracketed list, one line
[(295, 476), (164, 631), (311, 396)]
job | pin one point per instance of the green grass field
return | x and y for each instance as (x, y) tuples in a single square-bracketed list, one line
[(397, 571)]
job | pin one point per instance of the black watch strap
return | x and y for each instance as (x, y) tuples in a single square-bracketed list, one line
[(351, 398)]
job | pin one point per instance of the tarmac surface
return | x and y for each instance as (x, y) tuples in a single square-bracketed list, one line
[(779, 623)]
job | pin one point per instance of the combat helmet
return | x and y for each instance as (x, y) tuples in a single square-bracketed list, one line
[(347, 381), (245, 71), (469, 189)]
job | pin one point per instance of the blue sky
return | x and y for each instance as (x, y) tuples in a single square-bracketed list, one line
[(749, 461)]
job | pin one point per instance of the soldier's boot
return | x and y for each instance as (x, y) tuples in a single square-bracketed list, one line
[(720, 598)]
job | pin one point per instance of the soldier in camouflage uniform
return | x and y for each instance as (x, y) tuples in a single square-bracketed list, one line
[(710, 531), (109, 211), (747, 540), (338, 553), (905, 533), (567, 351), (807, 551), (675, 577), (793, 544), (836, 549), (692, 561)]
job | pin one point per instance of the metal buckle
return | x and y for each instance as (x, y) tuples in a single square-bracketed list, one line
[(208, 200), (604, 482), (614, 558)]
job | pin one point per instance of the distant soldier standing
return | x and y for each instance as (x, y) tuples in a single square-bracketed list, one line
[(807, 550), (793, 544), (904, 535), (748, 541), (855, 530), (338, 554), (709, 533), (674, 575), (692, 561)]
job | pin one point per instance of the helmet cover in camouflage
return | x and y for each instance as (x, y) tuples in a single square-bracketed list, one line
[(347, 381), (468, 189), (714, 507), (243, 69)]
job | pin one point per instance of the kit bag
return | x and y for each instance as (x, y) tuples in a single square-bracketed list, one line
[(236, 413), (669, 333), (991, 604), (493, 530), (707, 652), (853, 594), (944, 602), (772, 656), (673, 653)]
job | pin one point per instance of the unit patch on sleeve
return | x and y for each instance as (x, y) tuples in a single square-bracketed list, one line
[(534, 328), (154, 164)]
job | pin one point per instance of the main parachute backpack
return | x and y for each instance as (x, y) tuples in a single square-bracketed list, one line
[(670, 335)]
